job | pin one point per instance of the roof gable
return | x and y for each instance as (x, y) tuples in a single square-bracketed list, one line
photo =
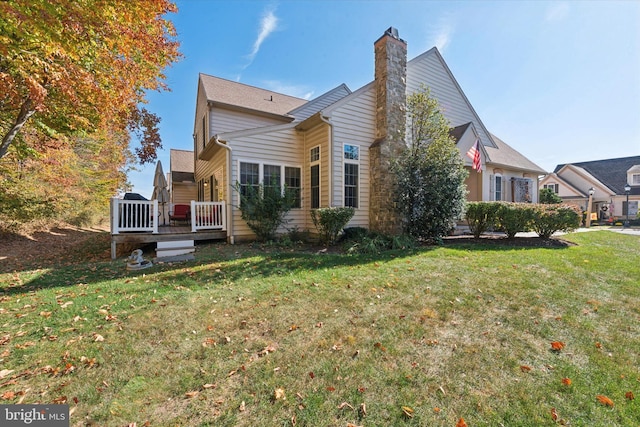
[(610, 172), (430, 69), (233, 94)]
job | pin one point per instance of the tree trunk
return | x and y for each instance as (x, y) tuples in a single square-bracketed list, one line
[(26, 111)]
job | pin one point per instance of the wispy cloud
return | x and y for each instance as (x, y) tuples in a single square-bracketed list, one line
[(299, 91), (557, 12), (442, 34), (268, 24)]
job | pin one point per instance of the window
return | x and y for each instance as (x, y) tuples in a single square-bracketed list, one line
[(498, 187), (553, 187), (314, 154), (314, 174), (315, 186), (273, 179), (293, 182), (351, 174), (249, 178), (635, 179), (351, 152)]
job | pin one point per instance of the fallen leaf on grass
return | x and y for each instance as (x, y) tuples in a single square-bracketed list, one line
[(557, 345), (629, 395), (566, 381), (191, 394), (345, 405), (242, 406), (352, 425), (604, 400), (331, 388), (5, 372), (208, 386), (8, 395), (525, 368), (554, 414), (380, 346), (461, 423), (45, 314), (98, 338), (279, 394), (407, 411)]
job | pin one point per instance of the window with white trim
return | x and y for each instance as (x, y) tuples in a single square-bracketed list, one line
[(553, 187), (498, 187), (272, 177), (249, 178), (635, 179), (293, 183), (351, 154), (314, 175)]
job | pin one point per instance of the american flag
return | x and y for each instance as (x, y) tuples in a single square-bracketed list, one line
[(474, 154)]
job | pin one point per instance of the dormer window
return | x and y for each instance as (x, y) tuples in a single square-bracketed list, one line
[(633, 175)]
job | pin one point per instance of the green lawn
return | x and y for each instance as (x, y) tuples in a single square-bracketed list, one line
[(250, 336)]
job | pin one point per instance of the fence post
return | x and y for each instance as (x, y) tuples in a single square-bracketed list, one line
[(114, 216), (156, 216), (193, 216)]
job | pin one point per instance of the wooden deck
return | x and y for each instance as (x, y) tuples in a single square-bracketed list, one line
[(139, 222), (166, 233)]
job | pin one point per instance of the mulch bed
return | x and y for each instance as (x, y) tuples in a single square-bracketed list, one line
[(499, 240)]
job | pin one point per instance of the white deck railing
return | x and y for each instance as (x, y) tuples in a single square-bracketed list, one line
[(208, 216), (133, 215)]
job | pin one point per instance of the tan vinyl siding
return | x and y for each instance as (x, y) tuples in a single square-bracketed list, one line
[(184, 193), (428, 69), (354, 124), (222, 120), (317, 137), (282, 147)]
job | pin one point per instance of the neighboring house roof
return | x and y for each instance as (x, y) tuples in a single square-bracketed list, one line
[(321, 102), (507, 156), (557, 179), (181, 160), (228, 93), (611, 172)]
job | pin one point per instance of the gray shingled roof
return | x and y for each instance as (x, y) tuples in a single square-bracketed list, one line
[(241, 95), (507, 156), (610, 172)]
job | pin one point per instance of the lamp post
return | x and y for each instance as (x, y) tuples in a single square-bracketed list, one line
[(627, 190), (588, 219)]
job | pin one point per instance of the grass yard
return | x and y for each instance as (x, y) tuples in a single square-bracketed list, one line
[(277, 337)]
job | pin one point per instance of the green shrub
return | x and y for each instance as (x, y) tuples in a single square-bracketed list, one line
[(330, 221), (548, 219), (264, 210), (480, 216), (514, 218), (548, 196)]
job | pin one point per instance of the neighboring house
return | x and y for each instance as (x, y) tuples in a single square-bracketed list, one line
[(336, 149), (572, 182), (182, 183)]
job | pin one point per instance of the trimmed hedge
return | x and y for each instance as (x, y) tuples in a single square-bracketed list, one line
[(512, 218)]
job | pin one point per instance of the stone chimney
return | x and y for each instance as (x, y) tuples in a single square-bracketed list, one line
[(391, 100)]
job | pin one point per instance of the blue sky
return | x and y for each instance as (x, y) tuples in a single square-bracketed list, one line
[(558, 81)]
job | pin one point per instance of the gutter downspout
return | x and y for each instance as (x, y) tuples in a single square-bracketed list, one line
[(330, 165), (228, 193)]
